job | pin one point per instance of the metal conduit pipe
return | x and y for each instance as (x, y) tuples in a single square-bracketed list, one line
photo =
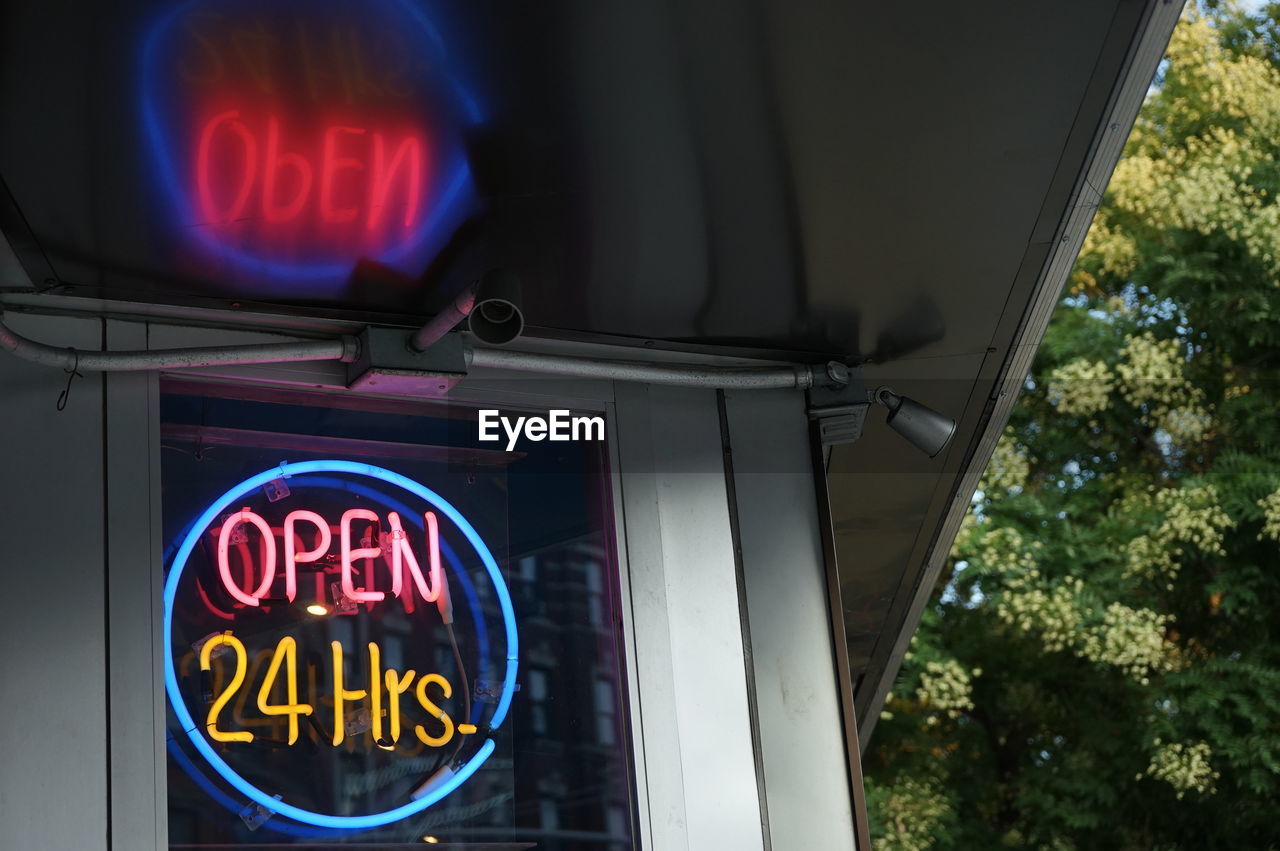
[(799, 376), (347, 348), (344, 349), (491, 302), (446, 320)]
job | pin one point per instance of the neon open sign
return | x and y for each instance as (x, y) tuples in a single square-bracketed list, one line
[(363, 561), (292, 140), (348, 176)]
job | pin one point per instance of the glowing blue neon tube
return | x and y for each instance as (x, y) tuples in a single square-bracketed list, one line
[(189, 725)]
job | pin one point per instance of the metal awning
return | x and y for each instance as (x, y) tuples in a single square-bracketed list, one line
[(782, 181)]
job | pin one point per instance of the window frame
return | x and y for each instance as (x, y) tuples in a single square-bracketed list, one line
[(136, 699)]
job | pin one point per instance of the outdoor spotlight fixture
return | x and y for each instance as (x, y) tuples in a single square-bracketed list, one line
[(839, 402), (926, 429)]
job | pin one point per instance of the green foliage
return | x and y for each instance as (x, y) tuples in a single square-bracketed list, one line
[(1100, 667)]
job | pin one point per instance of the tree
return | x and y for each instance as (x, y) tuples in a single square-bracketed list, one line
[(1100, 664)]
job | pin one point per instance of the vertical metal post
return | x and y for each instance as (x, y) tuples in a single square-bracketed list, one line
[(753, 703), (138, 814), (844, 678), (796, 711)]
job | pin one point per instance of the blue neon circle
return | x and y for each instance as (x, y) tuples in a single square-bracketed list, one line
[(206, 750), (455, 200)]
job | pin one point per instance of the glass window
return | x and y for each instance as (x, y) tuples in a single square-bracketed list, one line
[(350, 661)]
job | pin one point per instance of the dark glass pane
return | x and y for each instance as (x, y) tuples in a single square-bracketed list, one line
[(355, 710)]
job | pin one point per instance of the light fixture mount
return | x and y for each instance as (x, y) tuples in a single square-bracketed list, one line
[(839, 407)]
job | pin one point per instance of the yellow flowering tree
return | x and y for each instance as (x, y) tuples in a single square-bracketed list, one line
[(1100, 667)]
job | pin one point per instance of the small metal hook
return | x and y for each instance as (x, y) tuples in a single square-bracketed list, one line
[(72, 374)]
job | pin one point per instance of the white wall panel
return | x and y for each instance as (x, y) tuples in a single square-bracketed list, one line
[(691, 672), (138, 807), (800, 725), (53, 715)]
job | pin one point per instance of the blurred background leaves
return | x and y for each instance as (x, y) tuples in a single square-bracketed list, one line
[(1100, 665)]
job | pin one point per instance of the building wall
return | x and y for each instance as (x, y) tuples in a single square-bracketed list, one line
[(53, 672), (797, 705), (736, 724)]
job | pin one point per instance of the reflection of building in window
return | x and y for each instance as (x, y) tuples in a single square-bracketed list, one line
[(560, 775), (571, 747), (537, 685), (617, 821), (528, 568), (606, 712), (537, 696), (548, 814), (595, 598)]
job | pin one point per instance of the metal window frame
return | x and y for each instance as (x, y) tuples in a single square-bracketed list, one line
[(138, 795), (700, 749)]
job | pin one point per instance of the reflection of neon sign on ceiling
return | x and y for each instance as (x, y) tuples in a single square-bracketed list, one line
[(292, 140), (282, 185), (306, 538)]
